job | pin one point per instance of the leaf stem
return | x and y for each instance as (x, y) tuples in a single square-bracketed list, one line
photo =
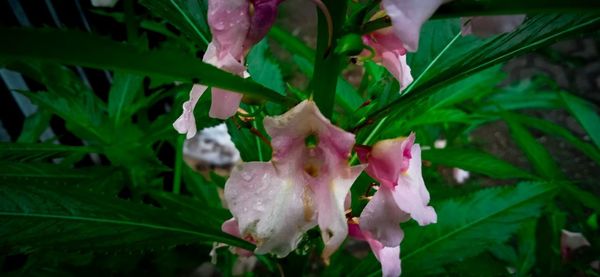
[(328, 64)]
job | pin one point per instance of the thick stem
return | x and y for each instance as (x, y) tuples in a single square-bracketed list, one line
[(327, 63)]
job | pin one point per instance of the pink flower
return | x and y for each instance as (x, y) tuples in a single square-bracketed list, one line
[(389, 51), (485, 26), (408, 16), (571, 241), (304, 185), (234, 30), (396, 164), (389, 257)]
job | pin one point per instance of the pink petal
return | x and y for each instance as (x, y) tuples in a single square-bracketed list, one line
[(408, 16), (485, 26), (186, 123), (265, 13), (329, 199), (289, 131), (411, 195), (229, 22), (224, 103), (396, 64), (231, 227), (390, 51), (571, 241), (382, 217), (389, 257), (389, 159), (272, 207)]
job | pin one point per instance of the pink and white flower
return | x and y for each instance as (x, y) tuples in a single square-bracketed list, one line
[(390, 52), (304, 185), (396, 165), (235, 29)]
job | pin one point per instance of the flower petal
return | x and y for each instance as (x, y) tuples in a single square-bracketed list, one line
[(186, 123), (265, 13), (330, 200), (382, 217), (231, 227), (389, 257), (229, 22), (291, 129), (273, 207), (571, 241), (224, 103), (485, 26), (396, 64), (408, 16), (411, 195), (388, 159)]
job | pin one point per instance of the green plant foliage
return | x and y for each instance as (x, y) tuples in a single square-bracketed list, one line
[(76, 48), (475, 161), (95, 178), (39, 216), (586, 114)]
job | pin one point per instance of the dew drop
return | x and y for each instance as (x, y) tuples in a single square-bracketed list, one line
[(247, 176)]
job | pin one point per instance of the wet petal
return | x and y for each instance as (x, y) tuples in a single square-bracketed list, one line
[(231, 227), (224, 102), (330, 200), (382, 217), (485, 26), (186, 123), (411, 195), (291, 129), (408, 16), (229, 22), (272, 207)]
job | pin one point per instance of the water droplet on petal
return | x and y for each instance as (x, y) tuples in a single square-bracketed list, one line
[(247, 176)]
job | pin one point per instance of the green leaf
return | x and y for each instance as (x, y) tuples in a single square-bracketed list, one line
[(475, 161), (535, 152), (26, 152), (83, 49), (187, 15), (468, 226), (124, 91), (38, 216), (586, 113), (34, 126), (263, 69), (556, 130)]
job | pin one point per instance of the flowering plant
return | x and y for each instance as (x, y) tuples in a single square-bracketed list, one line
[(323, 137)]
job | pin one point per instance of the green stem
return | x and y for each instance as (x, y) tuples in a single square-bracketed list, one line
[(328, 64), (256, 138), (370, 137), (178, 164)]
